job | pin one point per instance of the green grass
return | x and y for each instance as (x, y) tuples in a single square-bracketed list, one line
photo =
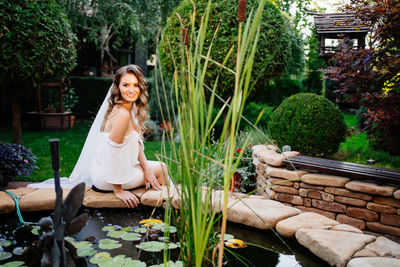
[(71, 143), (356, 149)]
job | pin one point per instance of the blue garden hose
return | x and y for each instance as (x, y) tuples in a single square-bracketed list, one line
[(16, 198)]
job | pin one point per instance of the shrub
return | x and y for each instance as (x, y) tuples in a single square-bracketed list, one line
[(15, 160), (90, 92), (308, 123), (272, 50), (279, 89), (252, 110)]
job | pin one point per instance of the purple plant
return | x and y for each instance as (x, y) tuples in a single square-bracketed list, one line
[(16, 160)]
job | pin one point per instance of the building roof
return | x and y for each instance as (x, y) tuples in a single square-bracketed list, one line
[(336, 23)]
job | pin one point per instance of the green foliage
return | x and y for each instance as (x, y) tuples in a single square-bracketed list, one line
[(296, 61), (251, 112), (36, 42), (308, 123), (279, 89), (90, 92), (313, 81), (271, 56)]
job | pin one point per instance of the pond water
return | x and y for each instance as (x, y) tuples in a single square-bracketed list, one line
[(252, 255)]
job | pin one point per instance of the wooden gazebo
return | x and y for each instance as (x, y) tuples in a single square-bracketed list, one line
[(52, 120), (338, 26)]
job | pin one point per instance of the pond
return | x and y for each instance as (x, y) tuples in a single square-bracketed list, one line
[(94, 232)]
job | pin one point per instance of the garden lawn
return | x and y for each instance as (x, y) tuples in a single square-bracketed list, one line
[(71, 143), (356, 149)]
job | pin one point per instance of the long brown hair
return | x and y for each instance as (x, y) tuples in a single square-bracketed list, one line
[(140, 111)]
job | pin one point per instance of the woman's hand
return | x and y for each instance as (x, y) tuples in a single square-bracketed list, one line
[(151, 179), (128, 198)]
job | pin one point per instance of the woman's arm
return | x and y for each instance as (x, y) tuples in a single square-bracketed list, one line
[(149, 176), (119, 127)]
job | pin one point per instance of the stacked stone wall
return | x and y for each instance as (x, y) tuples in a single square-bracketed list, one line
[(363, 204)]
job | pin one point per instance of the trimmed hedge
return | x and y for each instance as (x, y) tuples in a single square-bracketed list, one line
[(91, 92), (308, 123)]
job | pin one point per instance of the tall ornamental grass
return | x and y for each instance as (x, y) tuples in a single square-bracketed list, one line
[(194, 120)]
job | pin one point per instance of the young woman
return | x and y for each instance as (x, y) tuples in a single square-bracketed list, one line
[(120, 163), (112, 158)]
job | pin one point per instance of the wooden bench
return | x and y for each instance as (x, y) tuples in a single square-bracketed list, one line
[(350, 170)]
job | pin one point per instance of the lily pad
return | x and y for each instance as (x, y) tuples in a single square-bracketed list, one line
[(226, 237), (141, 230), (109, 245), (115, 234), (35, 230), (86, 251), (173, 245), (100, 257), (117, 261), (170, 264), (127, 229), (82, 244), (107, 241), (20, 250), (6, 243), (131, 236), (13, 264), (134, 263), (152, 246), (108, 228), (164, 228), (4, 255)]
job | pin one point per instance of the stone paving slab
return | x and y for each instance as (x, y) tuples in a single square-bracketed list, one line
[(7, 204), (40, 199), (269, 212), (288, 227), (382, 247), (335, 247), (374, 262)]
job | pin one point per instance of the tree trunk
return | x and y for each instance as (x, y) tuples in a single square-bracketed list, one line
[(16, 122)]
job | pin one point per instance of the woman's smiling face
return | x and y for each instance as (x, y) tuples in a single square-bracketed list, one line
[(129, 88)]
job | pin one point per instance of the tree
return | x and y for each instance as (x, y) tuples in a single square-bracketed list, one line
[(371, 76), (273, 46), (107, 23), (37, 42)]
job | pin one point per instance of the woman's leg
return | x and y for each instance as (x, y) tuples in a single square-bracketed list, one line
[(160, 170)]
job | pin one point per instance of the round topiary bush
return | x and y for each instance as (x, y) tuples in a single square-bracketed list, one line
[(272, 50), (308, 123)]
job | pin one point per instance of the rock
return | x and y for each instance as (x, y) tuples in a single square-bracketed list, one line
[(40, 199), (335, 247), (396, 194), (261, 166), (289, 226), (311, 186), (360, 224), (307, 202), (285, 189), (329, 206), (156, 198), (387, 201), (381, 208), (364, 214), (7, 204), (351, 201), (370, 188), (277, 181), (384, 247), (292, 199), (272, 147), (324, 179), (347, 193), (95, 199), (290, 154), (373, 262), (346, 228), (398, 212), (316, 194), (389, 219), (270, 212), (384, 229), (296, 185), (258, 148), (283, 173), (327, 214), (271, 158), (364, 253)]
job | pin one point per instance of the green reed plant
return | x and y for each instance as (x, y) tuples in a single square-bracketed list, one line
[(194, 120)]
